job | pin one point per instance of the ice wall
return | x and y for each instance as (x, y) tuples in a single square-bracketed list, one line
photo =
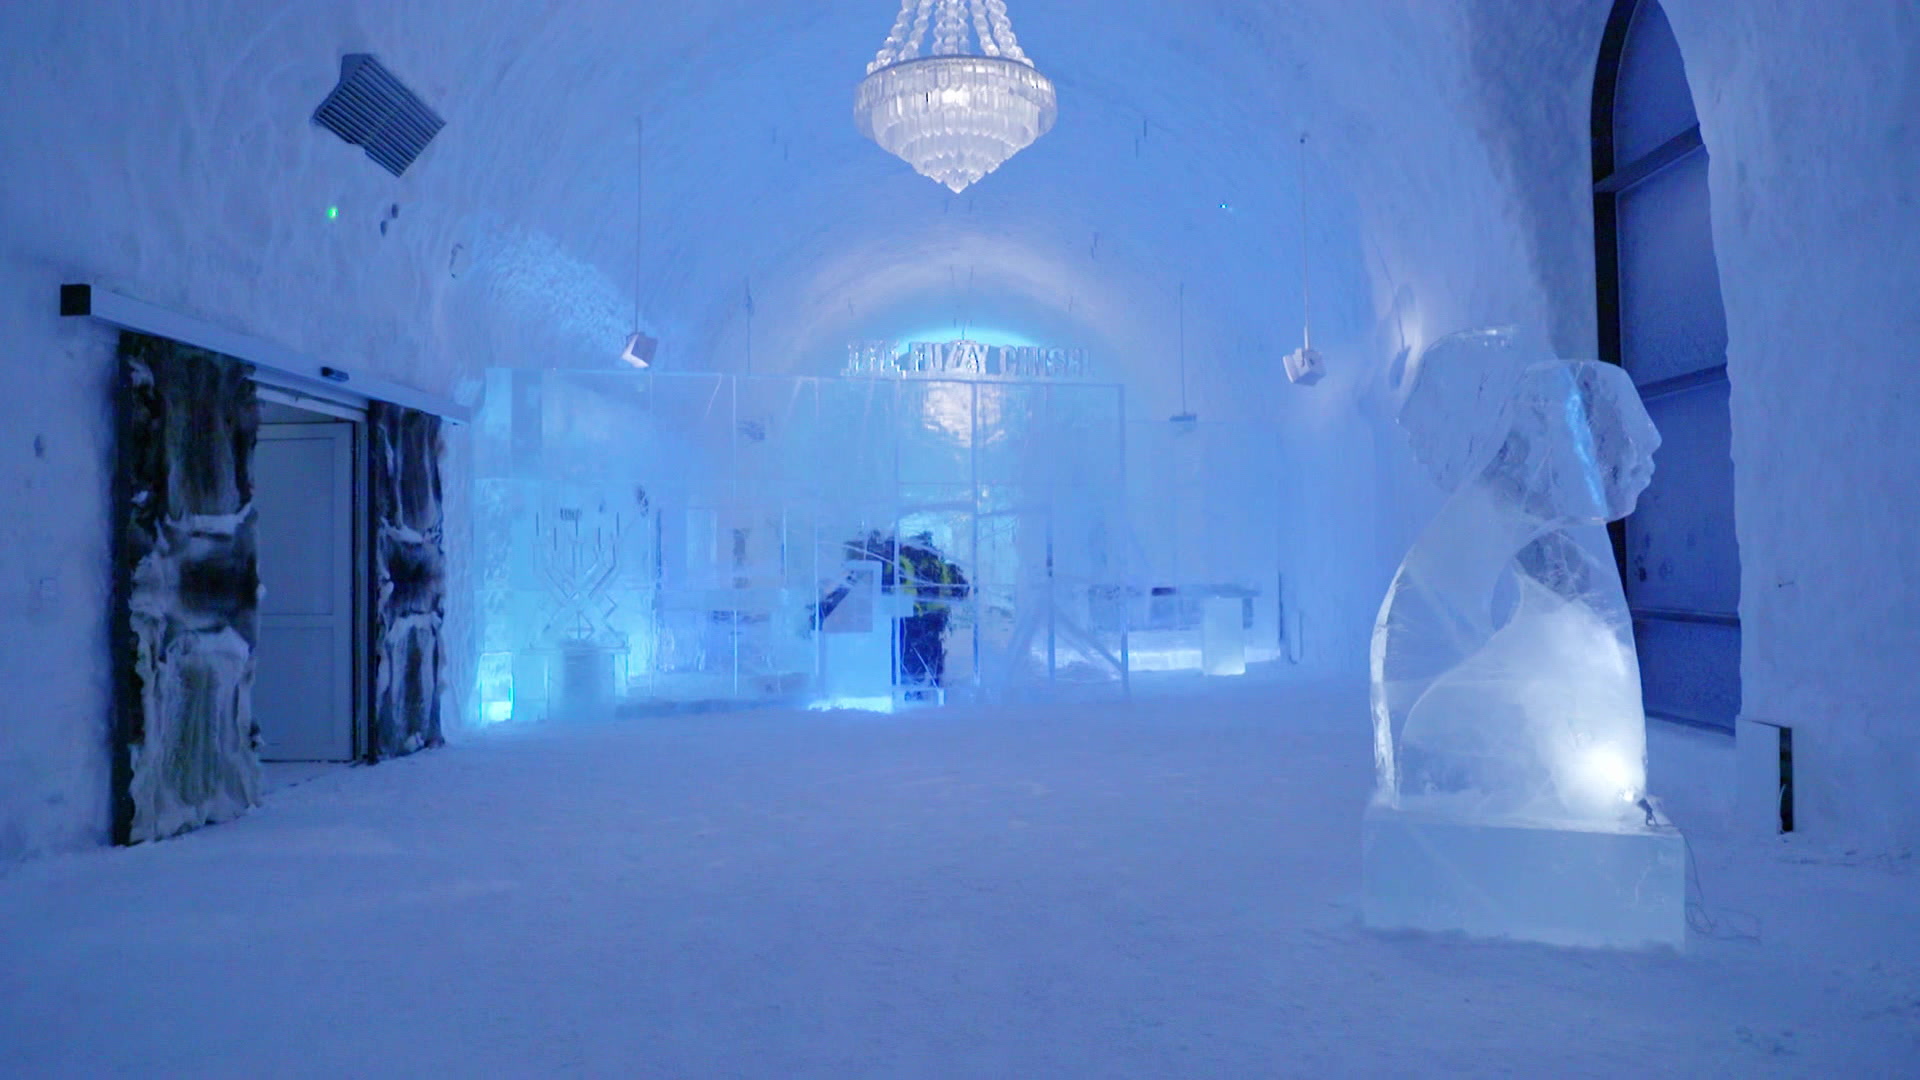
[(1811, 119), (163, 150), (1808, 115)]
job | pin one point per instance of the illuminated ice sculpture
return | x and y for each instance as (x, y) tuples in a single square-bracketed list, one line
[(1509, 738)]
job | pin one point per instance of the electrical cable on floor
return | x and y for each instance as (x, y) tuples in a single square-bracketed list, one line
[(1702, 921)]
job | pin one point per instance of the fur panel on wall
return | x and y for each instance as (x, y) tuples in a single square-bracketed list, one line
[(187, 590), (410, 581)]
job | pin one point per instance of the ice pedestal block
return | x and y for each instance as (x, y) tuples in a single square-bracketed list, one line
[(530, 689), (587, 683), (1223, 636), (1594, 885), (858, 667)]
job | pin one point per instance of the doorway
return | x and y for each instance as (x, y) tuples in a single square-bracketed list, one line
[(348, 662), (1662, 319), (309, 698)]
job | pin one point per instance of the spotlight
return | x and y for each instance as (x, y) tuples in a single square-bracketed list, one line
[(639, 350), (1304, 366), (1609, 770)]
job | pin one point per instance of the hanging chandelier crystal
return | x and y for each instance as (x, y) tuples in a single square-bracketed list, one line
[(955, 115)]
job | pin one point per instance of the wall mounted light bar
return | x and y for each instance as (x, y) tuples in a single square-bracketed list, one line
[(275, 366)]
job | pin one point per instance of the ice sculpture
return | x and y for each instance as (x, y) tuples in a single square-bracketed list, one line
[(578, 555), (1508, 730), (1505, 684)]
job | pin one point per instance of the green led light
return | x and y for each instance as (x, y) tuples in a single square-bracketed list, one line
[(332, 212)]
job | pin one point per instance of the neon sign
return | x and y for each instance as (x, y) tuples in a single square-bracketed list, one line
[(965, 359)]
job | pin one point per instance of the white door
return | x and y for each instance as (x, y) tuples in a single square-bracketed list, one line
[(303, 681)]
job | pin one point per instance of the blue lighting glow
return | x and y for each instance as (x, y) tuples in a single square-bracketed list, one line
[(981, 334), (496, 687), (1583, 442), (853, 704)]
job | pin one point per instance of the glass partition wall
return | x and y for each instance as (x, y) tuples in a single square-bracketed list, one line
[(1205, 554), (660, 541)]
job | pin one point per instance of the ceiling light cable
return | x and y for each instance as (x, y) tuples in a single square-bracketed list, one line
[(1183, 349), (639, 348), (1306, 317)]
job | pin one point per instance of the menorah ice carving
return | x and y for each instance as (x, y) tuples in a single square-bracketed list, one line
[(579, 560)]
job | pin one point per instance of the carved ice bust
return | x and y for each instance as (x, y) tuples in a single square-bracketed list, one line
[(1505, 683)]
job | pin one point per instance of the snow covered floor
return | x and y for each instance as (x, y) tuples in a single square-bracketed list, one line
[(1164, 890)]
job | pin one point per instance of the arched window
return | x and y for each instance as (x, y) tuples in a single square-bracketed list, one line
[(1661, 318)]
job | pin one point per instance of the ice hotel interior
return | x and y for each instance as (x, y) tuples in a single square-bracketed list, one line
[(959, 538)]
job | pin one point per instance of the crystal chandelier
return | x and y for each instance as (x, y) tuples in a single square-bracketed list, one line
[(955, 115)]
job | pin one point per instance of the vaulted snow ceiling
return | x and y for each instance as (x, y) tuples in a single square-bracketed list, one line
[(1176, 159), (1441, 135)]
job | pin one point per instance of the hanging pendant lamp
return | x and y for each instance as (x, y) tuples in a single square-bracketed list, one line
[(955, 115)]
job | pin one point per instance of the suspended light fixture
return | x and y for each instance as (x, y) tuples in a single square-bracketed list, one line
[(640, 346), (1304, 364), (955, 115), (1184, 421)]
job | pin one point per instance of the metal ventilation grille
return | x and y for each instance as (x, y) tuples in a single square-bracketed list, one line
[(370, 108)]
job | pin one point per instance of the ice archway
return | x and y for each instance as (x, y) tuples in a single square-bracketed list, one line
[(1175, 161)]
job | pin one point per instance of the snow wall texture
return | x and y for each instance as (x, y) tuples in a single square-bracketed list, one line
[(163, 150)]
